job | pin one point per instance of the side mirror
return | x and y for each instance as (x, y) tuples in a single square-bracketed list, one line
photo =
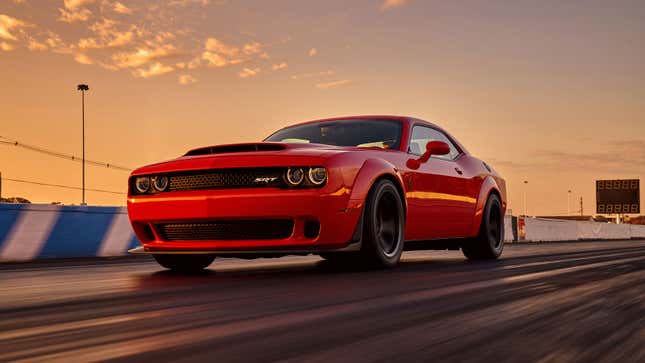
[(437, 148), (432, 148)]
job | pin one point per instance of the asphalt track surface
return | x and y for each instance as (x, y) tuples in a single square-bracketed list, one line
[(555, 302)]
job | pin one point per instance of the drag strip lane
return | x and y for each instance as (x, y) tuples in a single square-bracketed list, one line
[(307, 309)]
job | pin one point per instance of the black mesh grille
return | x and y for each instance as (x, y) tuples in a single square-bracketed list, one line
[(227, 230), (232, 178)]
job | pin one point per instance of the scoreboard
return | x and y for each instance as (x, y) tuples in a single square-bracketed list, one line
[(618, 196)]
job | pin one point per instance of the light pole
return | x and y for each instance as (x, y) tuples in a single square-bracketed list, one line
[(526, 182), (569, 202), (83, 88)]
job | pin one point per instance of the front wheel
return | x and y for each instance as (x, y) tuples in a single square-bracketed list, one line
[(184, 263), (489, 243), (383, 226)]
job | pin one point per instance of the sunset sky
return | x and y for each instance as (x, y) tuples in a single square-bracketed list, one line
[(550, 91)]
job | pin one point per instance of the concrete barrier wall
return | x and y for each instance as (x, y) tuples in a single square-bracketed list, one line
[(637, 231), (538, 229), (508, 229), (32, 231)]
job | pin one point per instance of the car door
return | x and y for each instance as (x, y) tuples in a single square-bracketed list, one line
[(440, 204)]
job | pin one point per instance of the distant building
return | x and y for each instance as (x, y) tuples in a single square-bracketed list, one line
[(636, 220), (14, 200)]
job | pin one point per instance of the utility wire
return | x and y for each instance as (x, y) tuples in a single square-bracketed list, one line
[(62, 186), (6, 141)]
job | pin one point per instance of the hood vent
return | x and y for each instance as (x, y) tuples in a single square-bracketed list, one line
[(235, 148)]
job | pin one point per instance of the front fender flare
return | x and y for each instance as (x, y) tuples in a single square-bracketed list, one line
[(370, 171)]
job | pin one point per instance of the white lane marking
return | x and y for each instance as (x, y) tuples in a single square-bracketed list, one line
[(29, 234), (118, 236)]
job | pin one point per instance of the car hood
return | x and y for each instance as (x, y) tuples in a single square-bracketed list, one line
[(262, 154)]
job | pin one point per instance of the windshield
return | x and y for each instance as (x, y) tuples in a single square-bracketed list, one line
[(385, 134)]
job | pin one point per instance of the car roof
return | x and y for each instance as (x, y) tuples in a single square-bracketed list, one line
[(404, 119), (359, 117)]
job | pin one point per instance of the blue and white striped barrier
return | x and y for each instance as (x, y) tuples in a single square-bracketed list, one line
[(35, 231)]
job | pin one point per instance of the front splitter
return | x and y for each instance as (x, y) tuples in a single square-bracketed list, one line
[(142, 251)]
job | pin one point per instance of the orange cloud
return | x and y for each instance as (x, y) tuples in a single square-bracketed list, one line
[(74, 15), (144, 44), (36, 45), (220, 54), (6, 46), (155, 69), (298, 77), (83, 59), (121, 9), (107, 36), (328, 85), (249, 72), (390, 4), (194, 63), (118, 39), (142, 56), (186, 79), (253, 48), (188, 2), (75, 4), (217, 46), (214, 59), (56, 44), (164, 36), (7, 24)]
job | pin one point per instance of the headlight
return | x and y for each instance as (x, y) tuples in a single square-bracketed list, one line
[(317, 176), (160, 183), (295, 176), (142, 184)]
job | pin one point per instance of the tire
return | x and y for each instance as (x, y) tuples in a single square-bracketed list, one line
[(184, 263), (489, 243), (383, 226)]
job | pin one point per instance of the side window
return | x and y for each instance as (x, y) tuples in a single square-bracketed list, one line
[(422, 135)]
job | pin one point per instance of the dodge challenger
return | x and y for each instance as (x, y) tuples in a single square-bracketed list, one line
[(360, 188)]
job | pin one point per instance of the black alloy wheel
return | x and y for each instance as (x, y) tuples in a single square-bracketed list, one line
[(489, 244), (383, 226)]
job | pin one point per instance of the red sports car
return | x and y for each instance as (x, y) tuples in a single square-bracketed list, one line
[(363, 187)]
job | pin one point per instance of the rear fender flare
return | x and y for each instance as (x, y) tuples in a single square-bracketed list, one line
[(488, 186)]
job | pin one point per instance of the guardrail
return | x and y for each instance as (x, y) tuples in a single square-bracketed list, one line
[(39, 231)]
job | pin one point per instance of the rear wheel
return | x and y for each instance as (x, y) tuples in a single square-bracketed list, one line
[(488, 245), (383, 226), (184, 263)]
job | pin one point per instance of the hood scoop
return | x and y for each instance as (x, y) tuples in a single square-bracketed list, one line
[(236, 148)]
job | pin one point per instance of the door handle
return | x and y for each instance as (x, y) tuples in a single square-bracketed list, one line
[(459, 171)]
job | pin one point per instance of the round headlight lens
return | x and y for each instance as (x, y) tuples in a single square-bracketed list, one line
[(160, 183), (295, 176), (142, 184), (317, 176)]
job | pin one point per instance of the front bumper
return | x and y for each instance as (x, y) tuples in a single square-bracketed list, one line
[(330, 209)]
